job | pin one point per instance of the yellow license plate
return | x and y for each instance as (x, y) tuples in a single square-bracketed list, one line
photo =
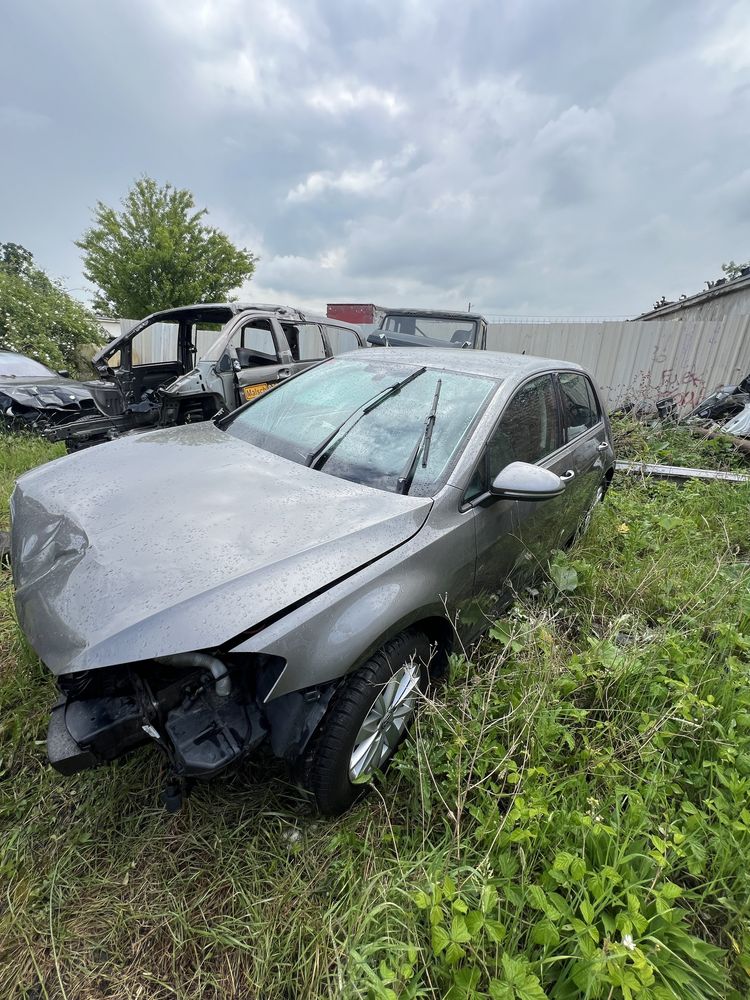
[(251, 391)]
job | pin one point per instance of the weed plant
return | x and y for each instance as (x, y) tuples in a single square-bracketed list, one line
[(571, 820)]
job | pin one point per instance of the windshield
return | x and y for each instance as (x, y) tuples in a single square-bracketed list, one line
[(17, 364), (453, 331), (343, 414)]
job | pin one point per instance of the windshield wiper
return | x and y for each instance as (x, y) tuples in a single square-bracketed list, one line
[(424, 442), (314, 457)]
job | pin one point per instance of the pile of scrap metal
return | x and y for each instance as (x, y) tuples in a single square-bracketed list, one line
[(725, 412)]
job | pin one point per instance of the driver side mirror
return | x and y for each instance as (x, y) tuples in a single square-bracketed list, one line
[(377, 339), (64, 373), (522, 481), (224, 364)]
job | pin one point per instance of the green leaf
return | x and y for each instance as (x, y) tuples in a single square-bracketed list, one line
[(436, 916), (670, 891), (459, 930), (564, 577), (440, 939), (495, 930), (537, 898), (546, 934), (421, 899), (501, 991), (474, 922), (587, 911), (488, 899), (577, 869), (454, 953)]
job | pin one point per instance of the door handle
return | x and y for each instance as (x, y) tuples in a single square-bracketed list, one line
[(284, 372), (570, 474), (604, 446)]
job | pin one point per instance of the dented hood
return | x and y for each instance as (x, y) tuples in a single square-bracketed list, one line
[(179, 540)]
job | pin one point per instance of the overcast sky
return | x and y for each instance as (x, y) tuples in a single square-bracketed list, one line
[(531, 157)]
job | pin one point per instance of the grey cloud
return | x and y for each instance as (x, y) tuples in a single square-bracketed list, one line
[(530, 157)]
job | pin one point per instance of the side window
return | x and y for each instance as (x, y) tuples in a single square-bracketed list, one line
[(256, 345), (528, 429), (580, 410), (527, 432), (341, 339), (305, 341), (157, 344)]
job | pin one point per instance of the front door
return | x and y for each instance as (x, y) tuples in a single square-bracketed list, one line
[(257, 357), (514, 538)]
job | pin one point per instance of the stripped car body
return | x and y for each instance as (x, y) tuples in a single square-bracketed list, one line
[(33, 397), (301, 549), (194, 363)]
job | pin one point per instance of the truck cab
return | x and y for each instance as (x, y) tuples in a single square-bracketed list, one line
[(430, 328)]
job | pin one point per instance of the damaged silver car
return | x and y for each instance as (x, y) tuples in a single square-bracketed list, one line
[(293, 574)]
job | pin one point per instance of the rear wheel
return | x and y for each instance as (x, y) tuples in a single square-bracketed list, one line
[(367, 720)]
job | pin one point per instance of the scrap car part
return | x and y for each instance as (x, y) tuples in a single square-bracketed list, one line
[(678, 472)]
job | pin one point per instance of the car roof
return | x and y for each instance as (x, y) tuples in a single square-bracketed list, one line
[(434, 313), (494, 364)]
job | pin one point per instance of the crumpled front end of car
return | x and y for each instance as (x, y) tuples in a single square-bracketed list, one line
[(202, 712), (39, 406)]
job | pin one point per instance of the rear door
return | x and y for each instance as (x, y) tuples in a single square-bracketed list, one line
[(586, 451), (305, 342), (340, 339)]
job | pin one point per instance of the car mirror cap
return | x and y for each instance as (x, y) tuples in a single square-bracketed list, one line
[(522, 481), (377, 339), (64, 373)]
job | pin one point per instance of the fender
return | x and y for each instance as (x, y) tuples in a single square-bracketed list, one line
[(335, 632)]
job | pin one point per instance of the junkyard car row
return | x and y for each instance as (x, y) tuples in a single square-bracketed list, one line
[(293, 572), (193, 363)]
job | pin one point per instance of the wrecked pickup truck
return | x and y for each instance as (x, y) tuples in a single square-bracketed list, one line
[(194, 363), (430, 328)]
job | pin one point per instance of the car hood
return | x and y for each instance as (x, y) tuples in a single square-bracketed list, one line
[(43, 393), (181, 539)]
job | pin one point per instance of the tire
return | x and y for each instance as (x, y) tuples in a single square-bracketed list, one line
[(329, 762)]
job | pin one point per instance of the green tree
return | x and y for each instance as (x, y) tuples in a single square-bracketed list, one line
[(39, 318), (156, 253)]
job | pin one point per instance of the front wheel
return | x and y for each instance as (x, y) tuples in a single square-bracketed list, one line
[(367, 720)]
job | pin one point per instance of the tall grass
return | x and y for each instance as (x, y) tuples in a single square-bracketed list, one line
[(571, 820)]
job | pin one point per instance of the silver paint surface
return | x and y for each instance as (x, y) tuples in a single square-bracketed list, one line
[(231, 536)]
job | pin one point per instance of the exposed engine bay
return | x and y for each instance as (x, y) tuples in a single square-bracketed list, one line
[(202, 712)]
